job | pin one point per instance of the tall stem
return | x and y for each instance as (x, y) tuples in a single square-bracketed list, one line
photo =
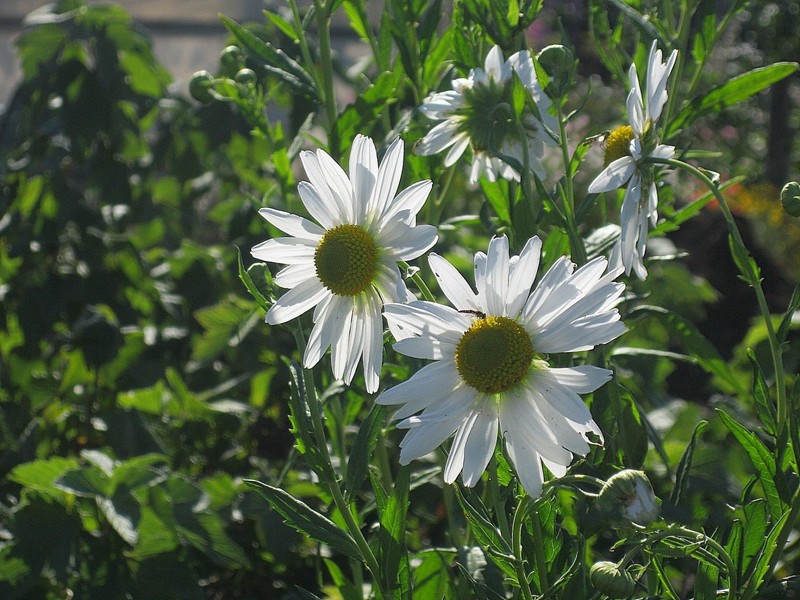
[(577, 247), (333, 485), (516, 545), (323, 15), (733, 228)]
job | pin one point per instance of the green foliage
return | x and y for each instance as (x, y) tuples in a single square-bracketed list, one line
[(158, 440)]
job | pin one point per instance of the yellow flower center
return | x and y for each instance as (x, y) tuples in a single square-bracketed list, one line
[(494, 354), (346, 259), (618, 144)]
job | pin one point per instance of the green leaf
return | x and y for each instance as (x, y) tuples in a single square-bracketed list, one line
[(273, 59), (224, 324), (149, 400), (138, 471), (763, 460), (731, 92), (761, 565), (205, 531), (344, 586), (362, 450), (498, 196), (748, 269), (432, 577), (247, 280), (87, 482), (155, 537), (123, 514), (685, 464), (306, 520), (42, 474), (393, 556), (764, 406), (487, 534), (285, 26), (786, 322), (756, 519)]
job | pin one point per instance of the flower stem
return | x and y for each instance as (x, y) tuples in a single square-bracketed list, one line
[(733, 229), (577, 247), (416, 277), (516, 545), (323, 15), (333, 485)]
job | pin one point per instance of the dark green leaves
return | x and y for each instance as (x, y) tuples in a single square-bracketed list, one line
[(306, 520), (732, 92)]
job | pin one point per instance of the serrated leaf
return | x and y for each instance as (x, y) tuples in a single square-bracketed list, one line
[(755, 528), (138, 471), (306, 520), (731, 92), (763, 460), (764, 406), (762, 563), (497, 195), (433, 579), (123, 514), (362, 450), (685, 463), (487, 534), (206, 532)]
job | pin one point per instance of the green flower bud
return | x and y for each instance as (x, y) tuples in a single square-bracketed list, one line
[(198, 86), (790, 198), (246, 76), (611, 579), (628, 496), (559, 63), (231, 60)]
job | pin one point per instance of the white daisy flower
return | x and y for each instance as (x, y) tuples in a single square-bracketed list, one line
[(478, 112), (491, 372), (346, 267), (626, 149)]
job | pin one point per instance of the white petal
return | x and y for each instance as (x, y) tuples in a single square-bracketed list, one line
[(407, 202), (494, 64), (456, 150), (296, 301), (581, 379), (452, 284), (634, 104), (293, 275), (480, 444), (479, 260), (388, 179), (613, 176), (390, 284), (340, 342), (355, 345), (292, 224), (339, 185), (425, 319), (497, 267), (363, 169), (339, 209), (441, 105), (287, 251), (407, 243), (325, 210), (522, 275), (321, 336), (426, 387), (582, 334), (440, 137), (373, 345), (663, 151)]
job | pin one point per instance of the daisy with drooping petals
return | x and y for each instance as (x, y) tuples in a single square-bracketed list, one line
[(478, 112), (346, 267), (491, 373), (626, 149)]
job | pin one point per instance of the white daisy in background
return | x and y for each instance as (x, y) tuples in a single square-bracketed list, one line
[(346, 266), (491, 373), (626, 149), (478, 113)]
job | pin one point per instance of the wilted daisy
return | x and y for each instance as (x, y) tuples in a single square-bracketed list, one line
[(492, 373), (627, 147), (346, 266), (478, 112)]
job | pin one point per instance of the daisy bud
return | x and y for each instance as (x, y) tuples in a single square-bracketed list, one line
[(790, 198), (628, 496), (611, 579)]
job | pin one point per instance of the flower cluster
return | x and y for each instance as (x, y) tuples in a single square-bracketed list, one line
[(492, 377)]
